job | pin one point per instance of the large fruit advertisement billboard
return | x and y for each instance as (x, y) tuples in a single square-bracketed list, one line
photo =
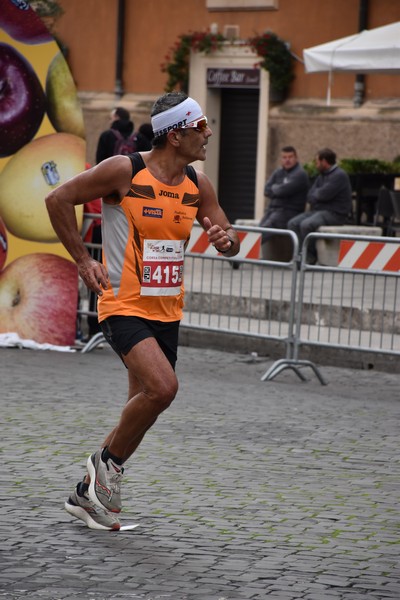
[(42, 144)]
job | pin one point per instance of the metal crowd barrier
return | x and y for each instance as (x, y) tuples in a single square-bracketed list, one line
[(361, 296), (87, 305), (339, 305), (351, 303), (257, 299)]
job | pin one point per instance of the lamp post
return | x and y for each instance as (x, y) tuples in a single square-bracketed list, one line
[(119, 90), (359, 84)]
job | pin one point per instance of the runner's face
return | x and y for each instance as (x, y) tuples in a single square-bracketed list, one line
[(194, 142)]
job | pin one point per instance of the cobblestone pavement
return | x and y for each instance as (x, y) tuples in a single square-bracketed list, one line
[(243, 489)]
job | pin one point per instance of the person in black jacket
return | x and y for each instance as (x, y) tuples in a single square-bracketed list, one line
[(146, 130), (120, 121), (329, 199), (287, 191)]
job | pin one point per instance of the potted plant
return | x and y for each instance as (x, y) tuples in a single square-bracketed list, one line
[(277, 60)]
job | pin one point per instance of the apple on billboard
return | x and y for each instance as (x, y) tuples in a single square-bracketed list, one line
[(21, 22), (63, 106), (30, 175), (38, 299), (42, 144)]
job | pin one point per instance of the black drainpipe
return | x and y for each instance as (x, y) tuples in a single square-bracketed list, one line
[(119, 90), (359, 84)]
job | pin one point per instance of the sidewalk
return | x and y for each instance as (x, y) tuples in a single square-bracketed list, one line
[(243, 489)]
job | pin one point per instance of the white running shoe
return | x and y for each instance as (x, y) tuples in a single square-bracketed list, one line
[(86, 510), (105, 482)]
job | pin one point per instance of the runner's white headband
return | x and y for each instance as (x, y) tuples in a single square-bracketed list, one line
[(177, 116)]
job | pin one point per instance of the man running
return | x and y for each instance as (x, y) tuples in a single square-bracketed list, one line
[(150, 202)]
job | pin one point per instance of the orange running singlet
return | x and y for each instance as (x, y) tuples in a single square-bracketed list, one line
[(144, 239)]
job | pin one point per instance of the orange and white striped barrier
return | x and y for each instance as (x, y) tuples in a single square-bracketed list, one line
[(250, 244), (372, 256)]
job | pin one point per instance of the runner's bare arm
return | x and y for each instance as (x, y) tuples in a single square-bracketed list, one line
[(109, 180)]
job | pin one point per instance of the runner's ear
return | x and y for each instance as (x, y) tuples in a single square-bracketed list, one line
[(173, 137)]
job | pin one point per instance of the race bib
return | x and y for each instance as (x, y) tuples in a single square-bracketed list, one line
[(162, 267)]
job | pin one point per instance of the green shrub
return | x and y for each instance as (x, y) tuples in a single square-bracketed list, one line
[(352, 166), (355, 166)]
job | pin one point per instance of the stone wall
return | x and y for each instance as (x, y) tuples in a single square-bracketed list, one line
[(371, 131)]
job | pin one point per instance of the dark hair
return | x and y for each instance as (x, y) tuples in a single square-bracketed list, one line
[(328, 155), (163, 103), (122, 113), (167, 101), (289, 149)]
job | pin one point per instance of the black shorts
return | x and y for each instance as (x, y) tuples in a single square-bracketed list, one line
[(123, 333)]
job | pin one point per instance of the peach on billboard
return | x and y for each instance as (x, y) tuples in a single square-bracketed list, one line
[(42, 145)]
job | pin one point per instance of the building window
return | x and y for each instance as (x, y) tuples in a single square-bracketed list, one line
[(214, 5)]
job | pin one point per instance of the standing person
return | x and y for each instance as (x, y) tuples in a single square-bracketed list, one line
[(287, 190), (150, 202), (121, 128), (329, 198)]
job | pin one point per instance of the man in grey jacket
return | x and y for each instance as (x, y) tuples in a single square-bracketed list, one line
[(287, 190), (329, 199)]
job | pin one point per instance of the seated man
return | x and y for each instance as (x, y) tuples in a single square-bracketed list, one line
[(329, 199), (287, 190)]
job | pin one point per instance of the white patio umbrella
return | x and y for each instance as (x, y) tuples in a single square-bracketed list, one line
[(369, 51)]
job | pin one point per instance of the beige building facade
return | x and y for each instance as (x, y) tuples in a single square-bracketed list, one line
[(150, 28)]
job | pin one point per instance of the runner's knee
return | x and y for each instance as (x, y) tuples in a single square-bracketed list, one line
[(163, 394)]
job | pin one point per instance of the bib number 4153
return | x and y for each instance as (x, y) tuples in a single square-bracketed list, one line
[(162, 267)]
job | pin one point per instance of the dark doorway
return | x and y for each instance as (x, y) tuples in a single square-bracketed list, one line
[(238, 152)]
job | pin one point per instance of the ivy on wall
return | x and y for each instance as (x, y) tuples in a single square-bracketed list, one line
[(274, 52), (177, 60), (276, 59)]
